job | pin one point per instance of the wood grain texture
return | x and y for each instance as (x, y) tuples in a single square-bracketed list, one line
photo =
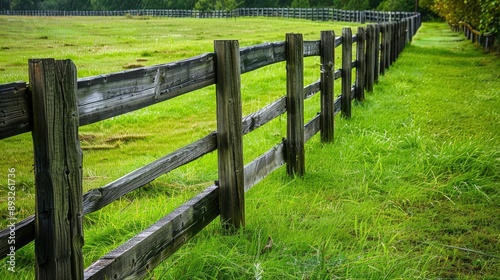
[(312, 127), (98, 198), (255, 57), (263, 116), (311, 48), (378, 50), (262, 166), (327, 60), (15, 109), (370, 58), (346, 71), (229, 135), (109, 95), (25, 233), (295, 156), (360, 65), (58, 170), (384, 33), (146, 250)]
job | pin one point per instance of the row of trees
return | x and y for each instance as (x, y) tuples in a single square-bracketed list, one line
[(483, 15), (393, 5)]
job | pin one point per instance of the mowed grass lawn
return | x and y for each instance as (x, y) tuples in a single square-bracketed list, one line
[(409, 189)]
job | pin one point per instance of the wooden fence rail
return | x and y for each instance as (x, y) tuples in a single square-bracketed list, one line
[(54, 93)]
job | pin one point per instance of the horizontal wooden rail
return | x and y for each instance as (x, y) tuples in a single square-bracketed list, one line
[(105, 96), (15, 109), (98, 198), (147, 249)]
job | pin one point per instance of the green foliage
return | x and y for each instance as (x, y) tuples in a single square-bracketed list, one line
[(204, 5), (260, 3), (115, 5), (454, 11), (300, 4), (227, 5), (320, 3), (23, 5), (351, 4), (490, 16), (397, 5), (66, 5), (179, 4), (483, 15)]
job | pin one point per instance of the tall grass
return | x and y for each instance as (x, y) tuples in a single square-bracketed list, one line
[(409, 189)]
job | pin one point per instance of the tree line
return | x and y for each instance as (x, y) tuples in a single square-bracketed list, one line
[(73, 5), (484, 15)]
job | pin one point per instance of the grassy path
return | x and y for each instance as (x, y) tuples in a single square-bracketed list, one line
[(410, 189)]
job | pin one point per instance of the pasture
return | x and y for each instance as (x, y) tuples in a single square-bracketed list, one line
[(409, 189)]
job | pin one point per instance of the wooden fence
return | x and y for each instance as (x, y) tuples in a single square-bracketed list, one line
[(484, 39), (320, 14), (56, 103)]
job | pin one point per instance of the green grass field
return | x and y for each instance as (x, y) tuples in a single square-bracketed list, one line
[(410, 188)]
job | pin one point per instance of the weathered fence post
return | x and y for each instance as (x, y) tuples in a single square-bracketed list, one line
[(58, 170), (327, 85), (383, 47), (413, 28), (408, 30), (346, 72), (394, 41), (360, 65), (362, 17), (370, 57), (295, 155), (229, 135), (377, 50), (388, 42)]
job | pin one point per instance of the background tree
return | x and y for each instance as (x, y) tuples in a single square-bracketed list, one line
[(351, 4), (490, 16), (24, 4), (204, 5), (153, 4), (483, 15), (374, 3), (454, 11), (397, 5), (180, 4), (321, 3), (261, 3), (66, 5), (300, 4), (115, 5), (425, 9), (227, 5)]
